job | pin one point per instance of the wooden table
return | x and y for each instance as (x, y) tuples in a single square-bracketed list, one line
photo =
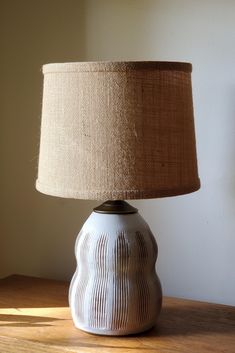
[(34, 317)]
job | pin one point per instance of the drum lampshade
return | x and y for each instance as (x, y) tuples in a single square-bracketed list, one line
[(117, 130)]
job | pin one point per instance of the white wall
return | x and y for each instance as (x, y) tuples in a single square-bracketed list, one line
[(195, 233)]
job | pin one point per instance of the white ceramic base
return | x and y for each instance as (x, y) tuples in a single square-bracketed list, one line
[(115, 289)]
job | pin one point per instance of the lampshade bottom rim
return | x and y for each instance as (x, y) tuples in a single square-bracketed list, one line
[(117, 195)]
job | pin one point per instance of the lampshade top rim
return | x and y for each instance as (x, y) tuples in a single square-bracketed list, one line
[(119, 66)]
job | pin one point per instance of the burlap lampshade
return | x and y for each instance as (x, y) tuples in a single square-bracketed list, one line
[(117, 130)]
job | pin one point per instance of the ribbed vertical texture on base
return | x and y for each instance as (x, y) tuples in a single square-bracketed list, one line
[(115, 289)]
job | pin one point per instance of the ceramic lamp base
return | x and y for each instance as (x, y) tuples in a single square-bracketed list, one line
[(115, 289)]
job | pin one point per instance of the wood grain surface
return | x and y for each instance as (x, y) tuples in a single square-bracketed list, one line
[(35, 317)]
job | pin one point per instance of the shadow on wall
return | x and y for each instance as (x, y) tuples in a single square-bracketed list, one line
[(37, 231)]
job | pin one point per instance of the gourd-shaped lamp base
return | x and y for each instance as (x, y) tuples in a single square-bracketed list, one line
[(115, 289)]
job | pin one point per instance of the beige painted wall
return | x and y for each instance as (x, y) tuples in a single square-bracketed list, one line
[(195, 233), (37, 232)]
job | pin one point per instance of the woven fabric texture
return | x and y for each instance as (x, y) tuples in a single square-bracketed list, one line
[(121, 130)]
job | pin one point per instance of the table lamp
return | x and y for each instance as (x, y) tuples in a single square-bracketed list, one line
[(114, 131)]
